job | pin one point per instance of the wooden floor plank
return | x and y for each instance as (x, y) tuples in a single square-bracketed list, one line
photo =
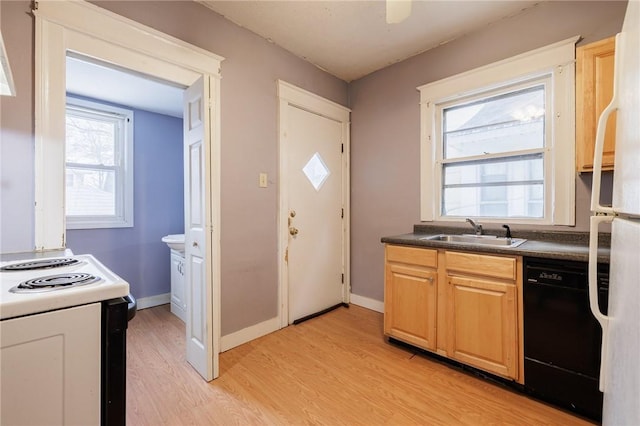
[(336, 369)]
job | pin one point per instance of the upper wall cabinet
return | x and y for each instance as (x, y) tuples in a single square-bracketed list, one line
[(594, 89)]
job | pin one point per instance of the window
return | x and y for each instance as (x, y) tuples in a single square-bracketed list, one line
[(98, 166), (498, 142), (493, 154)]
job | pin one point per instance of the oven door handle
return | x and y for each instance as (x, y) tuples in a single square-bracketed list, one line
[(593, 290)]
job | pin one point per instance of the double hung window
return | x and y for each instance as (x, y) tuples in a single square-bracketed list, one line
[(493, 154), (98, 166), (498, 142)]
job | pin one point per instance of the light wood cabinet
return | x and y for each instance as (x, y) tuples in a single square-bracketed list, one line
[(594, 89), (480, 264), (463, 305), (482, 324), (410, 295)]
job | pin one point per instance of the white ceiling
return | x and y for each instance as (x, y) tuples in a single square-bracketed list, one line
[(100, 81), (350, 38)]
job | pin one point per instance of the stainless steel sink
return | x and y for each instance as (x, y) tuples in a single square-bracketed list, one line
[(480, 240)]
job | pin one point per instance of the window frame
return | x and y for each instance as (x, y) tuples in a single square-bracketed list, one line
[(123, 166), (441, 162), (554, 64)]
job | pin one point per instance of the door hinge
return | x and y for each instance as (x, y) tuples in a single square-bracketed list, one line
[(286, 255), (342, 214), (342, 278), (341, 147)]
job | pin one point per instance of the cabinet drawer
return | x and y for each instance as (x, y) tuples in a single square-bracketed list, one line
[(412, 255), (481, 264)]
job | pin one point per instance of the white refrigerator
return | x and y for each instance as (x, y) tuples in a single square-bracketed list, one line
[(620, 368)]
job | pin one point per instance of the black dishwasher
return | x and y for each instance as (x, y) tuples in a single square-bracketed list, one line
[(561, 336)]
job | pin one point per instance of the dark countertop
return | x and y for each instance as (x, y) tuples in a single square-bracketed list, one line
[(543, 244)]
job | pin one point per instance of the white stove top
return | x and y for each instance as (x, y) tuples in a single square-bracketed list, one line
[(13, 305)]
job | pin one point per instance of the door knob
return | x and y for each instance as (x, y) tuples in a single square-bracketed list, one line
[(293, 230)]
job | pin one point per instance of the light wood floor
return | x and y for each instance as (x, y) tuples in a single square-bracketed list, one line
[(332, 370)]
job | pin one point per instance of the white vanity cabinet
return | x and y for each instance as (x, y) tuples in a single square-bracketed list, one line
[(178, 302)]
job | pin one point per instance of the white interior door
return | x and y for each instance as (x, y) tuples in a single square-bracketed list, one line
[(315, 213), (198, 228)]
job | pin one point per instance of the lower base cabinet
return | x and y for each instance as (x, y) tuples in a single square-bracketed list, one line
[(50, 368), (482, 300), (482, 324), (178, 300), (410, 316)]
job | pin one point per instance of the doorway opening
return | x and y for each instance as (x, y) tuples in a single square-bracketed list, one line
[(124, 178), (89, 31)]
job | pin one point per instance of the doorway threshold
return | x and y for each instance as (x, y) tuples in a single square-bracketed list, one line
[(322, 312)]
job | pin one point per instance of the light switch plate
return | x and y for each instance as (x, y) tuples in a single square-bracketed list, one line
[(262, 180)]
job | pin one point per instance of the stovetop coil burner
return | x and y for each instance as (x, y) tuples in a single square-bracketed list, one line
[(33, 265), (54, 282)]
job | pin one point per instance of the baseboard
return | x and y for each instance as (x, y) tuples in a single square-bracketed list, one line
[(151, 301), (245, 335), (366, 302)]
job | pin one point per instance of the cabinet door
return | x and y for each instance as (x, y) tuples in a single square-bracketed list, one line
[(594, 89), (178, 304), (482, 329), (410, 304), (50, 368)]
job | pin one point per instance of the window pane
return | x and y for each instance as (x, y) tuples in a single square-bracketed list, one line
[(90, 192), (514, 169), (504, 123), (90, 140), (503, 201), (508, 187)]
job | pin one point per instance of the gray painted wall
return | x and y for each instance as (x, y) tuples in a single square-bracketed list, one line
[(385, 133), (16, 133), (249, 141), (137, 254), (385, 130)]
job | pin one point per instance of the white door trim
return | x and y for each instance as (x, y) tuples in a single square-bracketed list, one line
[(290, 95), (90, 30)]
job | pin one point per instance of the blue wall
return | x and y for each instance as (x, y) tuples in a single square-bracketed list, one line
[(137, 254)]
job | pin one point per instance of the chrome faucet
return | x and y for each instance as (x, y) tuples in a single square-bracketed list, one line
[(477, 228)]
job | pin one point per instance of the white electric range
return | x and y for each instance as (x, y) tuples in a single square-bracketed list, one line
[(63, 322), (46, 284)]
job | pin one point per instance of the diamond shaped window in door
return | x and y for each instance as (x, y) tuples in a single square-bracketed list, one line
[(316, 171)]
